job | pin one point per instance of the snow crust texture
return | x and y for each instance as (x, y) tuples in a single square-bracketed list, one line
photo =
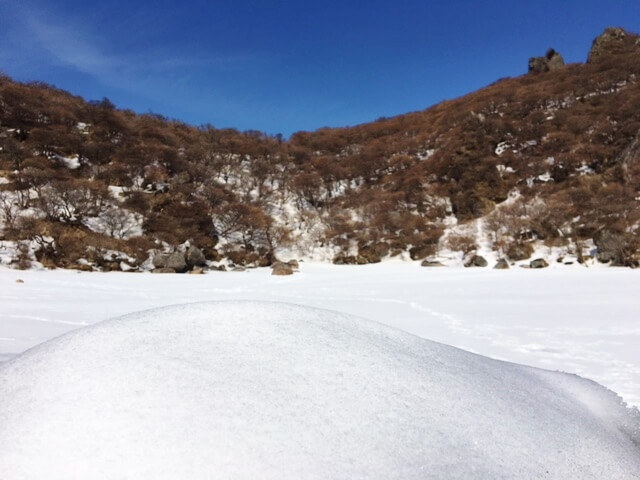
[(245, 390)]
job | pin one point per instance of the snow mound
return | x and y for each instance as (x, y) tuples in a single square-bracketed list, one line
[(249, 390)]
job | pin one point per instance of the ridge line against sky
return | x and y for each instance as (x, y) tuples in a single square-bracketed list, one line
[(283, 66)]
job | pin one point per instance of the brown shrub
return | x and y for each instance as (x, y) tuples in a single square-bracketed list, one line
[(461, 242)]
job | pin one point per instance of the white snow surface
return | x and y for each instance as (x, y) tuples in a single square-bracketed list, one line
[(275, 391), (569, 318)]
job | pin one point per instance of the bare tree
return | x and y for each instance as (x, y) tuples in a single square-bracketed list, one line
[(9, 209), (71, 201)]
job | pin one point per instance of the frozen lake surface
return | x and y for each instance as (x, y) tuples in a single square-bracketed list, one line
[(574, 319)]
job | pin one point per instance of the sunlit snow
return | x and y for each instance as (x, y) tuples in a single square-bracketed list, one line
[(569, 318), (247, 390)]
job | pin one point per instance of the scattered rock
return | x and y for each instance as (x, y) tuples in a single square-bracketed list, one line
[(431, 263), (238, 269), (293, 264), (197, 271), (163, 270), (551, 61), (538, 263), (194, 257), (476, 261), (281, 268), (19, 280), (501, 264)]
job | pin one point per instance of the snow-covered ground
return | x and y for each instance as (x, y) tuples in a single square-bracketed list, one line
[(569, 318), (245, 390)]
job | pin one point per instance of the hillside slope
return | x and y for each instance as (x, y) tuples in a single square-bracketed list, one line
[(551, 157)]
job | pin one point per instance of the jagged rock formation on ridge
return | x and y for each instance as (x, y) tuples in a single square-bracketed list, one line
[(613, 41), (551, 61)]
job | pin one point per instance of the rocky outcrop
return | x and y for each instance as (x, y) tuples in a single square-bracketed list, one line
[(551, 61), (613, 41)]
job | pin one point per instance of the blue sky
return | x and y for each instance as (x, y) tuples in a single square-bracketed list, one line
[(284, 66)]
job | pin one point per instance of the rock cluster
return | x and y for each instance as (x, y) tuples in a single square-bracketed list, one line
[(178, 262), (551, 61)]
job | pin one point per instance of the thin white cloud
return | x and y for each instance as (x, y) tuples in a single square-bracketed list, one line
[(38, 37), (68, 46)]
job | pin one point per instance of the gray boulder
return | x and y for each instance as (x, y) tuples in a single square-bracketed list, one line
[(501, 264), (538, 263), (476, 261), (160, 260), (173, 261), (194, 257), (281, 268), (163, 270), (431, 263)]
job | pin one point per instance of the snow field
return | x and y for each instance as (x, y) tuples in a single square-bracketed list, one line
[(262, 390), (573, 319)]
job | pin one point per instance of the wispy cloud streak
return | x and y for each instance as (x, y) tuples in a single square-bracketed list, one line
[(63, 41)]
